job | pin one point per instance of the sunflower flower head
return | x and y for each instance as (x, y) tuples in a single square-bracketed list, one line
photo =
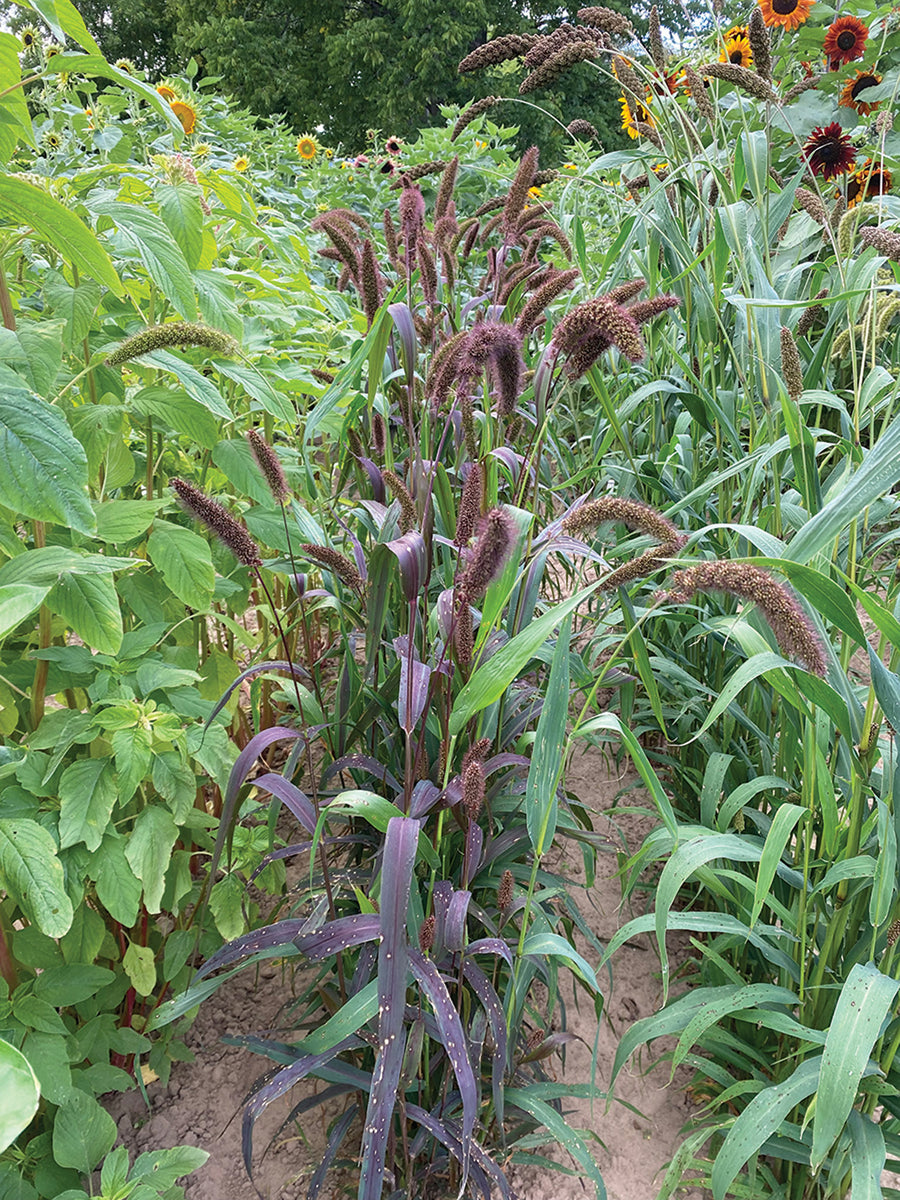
[(845, 41), (852, 90), (871, 179), (829, 152), (241, 163), (126, 65), (30, 37), (736, 47), (788, 14), (634, 116), (186, 114), (394, 145), (307, 147), (166, 92)]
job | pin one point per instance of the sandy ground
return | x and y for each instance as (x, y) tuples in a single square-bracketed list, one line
[(202, 1103)]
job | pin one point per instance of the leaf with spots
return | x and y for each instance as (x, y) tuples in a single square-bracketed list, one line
[(279, 936), (454, 1042), (484, 990), (393, 965), (339, 935)]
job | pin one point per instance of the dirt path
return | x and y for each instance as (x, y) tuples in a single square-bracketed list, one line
[(202, 1104)]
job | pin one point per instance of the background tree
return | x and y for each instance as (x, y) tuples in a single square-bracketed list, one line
[(347, 66)]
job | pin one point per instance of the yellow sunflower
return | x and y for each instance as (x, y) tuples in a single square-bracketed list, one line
[(631, 119), (307, 147), (737, 47), (786, 13), (52, 141), (126, 65), (241, 163), (29, 36), (166, 92), (186, 114)]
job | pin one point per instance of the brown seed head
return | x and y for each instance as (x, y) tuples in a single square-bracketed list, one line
[(760, 44), (498, 50), (496, 533), (335, 562), (592, 327), (270, 466), (654, 39), (469, 505), (230, 532), (549, 71), (582, 130), (698, 94), (426, 934), (553, 286), (518, 191), (370, 282), (742, 78), (606, 19), (468, 115), (473, 790), (885, 241), (505, 890), (498, 346), (794, 634), (475, 753), (791, 367), (409, 516)]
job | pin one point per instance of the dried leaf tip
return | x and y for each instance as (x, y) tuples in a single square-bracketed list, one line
[(230, 532), (173, 333), (270, 466)]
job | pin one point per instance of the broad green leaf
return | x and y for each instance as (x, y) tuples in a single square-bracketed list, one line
[(43, 468), (15, 122), (34, 352), (85, 937), (64, 20), (547, 753), (143, 234), (862, 1006), (83, 1132), (867, 1156), (163, 1168), (124, 520), (878, 472), (72, 983), (32, 875), (226, 905), (184, 560), (734, 997), (133, 748), (48, 1057), (780, 830), (558, 947), (19, 1094), (140, 968), (75, 305), (491, 679), (177, 410), (881, 897), (377, 811), (148, 852), (95, 64), (18, 601), (194, 382), (255, 384), (759, 1120), (685, 859), (32, 208), (87, 793), (89, 605), (566, 1136), (118, 887), (179, 207)]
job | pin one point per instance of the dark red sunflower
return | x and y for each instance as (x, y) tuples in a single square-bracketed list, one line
[(867, 181), (853, 88), (829, 151), (845, 41)]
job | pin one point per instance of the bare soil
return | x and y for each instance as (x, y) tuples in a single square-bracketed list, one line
[(636, 1136)]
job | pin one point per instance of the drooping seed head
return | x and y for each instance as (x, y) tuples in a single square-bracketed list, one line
[(498, 50), (518, 191), (173, 333), (470, 505), (230, 532), (337, 563), (793, 632), (791, 367), (468, 115)]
